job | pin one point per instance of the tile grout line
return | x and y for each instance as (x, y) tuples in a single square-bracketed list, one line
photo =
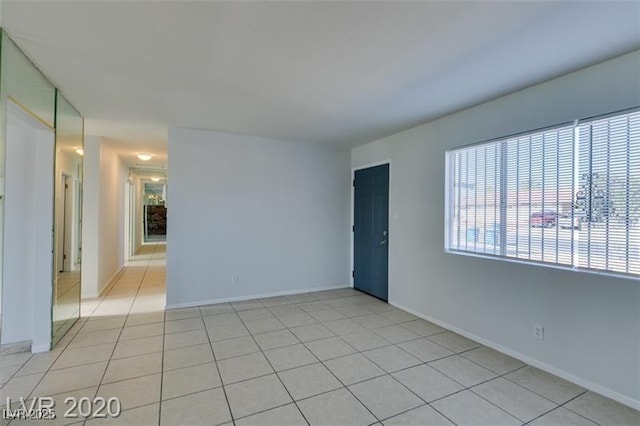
[(372, 330), (469, 388), (139, 286), (304, 344), (271, 366), (504, 376), (454, 353), (372, 378), (567, 408), (79, 321), (164, 329), (321, 362), (66, 346), (224, 391), (337, 378), (134, 298)]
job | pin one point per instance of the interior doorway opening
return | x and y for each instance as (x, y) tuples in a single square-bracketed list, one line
[(154, 212), (146, 214)]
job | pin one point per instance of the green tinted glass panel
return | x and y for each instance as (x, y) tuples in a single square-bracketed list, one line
[(25, 84)]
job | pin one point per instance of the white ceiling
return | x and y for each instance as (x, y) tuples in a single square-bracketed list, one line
[(341, 73), (131, 139)]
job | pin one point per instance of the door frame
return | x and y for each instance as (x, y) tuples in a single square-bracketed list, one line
[(66, 260), (145, 224), (352, 215)]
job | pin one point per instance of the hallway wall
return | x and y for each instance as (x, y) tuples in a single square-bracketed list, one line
[(103, 216), (138, 198), (274, 214)]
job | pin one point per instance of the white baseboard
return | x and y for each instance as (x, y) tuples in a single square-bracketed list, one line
[(111, 282), (623, 399), (15, 347), (40, 348), (252, 296), (104, 290)]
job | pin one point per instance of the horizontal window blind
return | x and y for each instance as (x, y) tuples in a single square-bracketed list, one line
[(567, 196)]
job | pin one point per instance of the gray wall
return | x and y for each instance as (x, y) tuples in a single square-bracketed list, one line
[(273, 213), (592, 322)]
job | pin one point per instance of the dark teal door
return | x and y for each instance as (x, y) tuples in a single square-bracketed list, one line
[(371, 231)]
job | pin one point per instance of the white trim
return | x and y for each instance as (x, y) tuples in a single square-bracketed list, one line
[(111, 282), (633, 277), (351, 248), (89, 296), (447, 200), (15, 347), (623, 399), (40, 348), (253, 296), (103, 291), (369, 165)]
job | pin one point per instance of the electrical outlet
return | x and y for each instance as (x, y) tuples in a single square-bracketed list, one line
[(538, 331), (235, 280)]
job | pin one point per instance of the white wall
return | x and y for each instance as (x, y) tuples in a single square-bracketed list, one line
[(273, 213), (90, 217), (128, 188), (113, 173), (592, 323), (103, 216), (28, 236)]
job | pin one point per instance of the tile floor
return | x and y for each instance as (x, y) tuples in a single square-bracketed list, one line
[(327, 358)]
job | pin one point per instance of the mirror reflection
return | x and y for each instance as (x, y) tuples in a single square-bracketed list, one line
[(155, 212), (146, 218), (68, 218)]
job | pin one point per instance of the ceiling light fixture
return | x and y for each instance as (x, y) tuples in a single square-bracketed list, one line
[(79, 151), (155, 179), (144, 157)]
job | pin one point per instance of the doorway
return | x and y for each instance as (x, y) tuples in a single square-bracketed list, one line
[(145, 214), (154, 213), (371, 231)]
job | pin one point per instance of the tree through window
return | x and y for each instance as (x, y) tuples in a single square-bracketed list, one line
[(568, 195)]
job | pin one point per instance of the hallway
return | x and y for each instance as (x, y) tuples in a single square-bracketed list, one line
[(156, 250), (335, 358), (101, 351)]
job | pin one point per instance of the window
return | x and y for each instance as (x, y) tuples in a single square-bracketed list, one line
[(566, 196)]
